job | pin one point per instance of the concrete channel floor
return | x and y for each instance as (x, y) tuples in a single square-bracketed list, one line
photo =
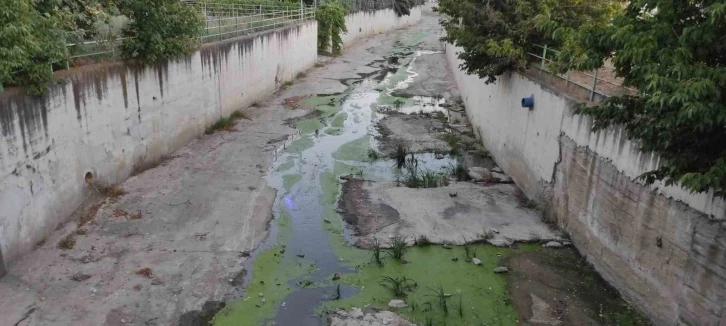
[(178, 234)]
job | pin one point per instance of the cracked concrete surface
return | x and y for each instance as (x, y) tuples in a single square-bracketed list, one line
[(456, 214)]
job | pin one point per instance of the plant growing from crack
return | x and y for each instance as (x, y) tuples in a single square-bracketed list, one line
[(398, 104), (398, 248), (398, 285)]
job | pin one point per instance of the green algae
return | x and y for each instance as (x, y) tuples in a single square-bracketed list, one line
[(339, 119), (289, 164), (272, 274), (326, 105), (289, 180), (388, 100), (301, 144), (356, 150), (482, 292), (334, 131), (308, 126)]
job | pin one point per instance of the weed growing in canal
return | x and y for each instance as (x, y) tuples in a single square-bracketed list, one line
[(221, 124), (398, 285), (398, 248), (460, 307), (423, 179), (459, 171), (319, 65), (236, 115), (398, 104), (400, 153), (423, 241), (287, 84), (377, 252), (441, 297), (301, 75), (454, 142), (68, 242)]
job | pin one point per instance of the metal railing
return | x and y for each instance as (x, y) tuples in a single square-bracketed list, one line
[(601, 81)]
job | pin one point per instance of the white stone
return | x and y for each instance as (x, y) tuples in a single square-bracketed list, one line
[(396, 303), (552, 244), (356, 313), (501, 269), (476, 261)]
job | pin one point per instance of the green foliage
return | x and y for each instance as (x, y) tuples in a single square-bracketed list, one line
[(31, 43), (398, 285), (398, 248), (673, 53), (496, 36), (159, 29), (85, 15), (331, 23), (403, 7)]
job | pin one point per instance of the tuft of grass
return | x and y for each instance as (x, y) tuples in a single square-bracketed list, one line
[(400, 154), (398, 248), (68, 242), (377, 252), (398, 103), (226, 124), (301, 75), (398, 285), (441, 298), (460, 172), (319, 65), (454, 142), (239, 114), (423, 241), (287, 84), (423, 179)]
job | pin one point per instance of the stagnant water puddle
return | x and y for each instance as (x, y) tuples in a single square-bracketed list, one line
[(307, 265)]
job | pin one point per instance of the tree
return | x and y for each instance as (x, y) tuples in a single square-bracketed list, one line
[(159, 29), (497, 35), (331, 23), (674, 53), (31, 43)]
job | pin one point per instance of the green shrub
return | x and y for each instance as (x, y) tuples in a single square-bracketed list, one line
[(159, 29)]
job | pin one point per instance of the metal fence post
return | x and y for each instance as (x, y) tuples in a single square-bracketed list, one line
[(567, 84), (594, 85), (544, 57)]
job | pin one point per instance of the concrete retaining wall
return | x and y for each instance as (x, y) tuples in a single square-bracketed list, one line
[(112, 119), (367, 23), (662, 247)]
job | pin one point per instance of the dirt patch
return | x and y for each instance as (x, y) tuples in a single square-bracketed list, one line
[(358, 210), (421, 133), (559, 287)]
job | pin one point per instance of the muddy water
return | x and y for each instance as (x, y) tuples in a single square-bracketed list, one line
[(305, 170)]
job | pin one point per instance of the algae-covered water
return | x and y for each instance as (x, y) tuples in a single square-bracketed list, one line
[(307, 266)]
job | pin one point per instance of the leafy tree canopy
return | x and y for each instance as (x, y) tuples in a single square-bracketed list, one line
[(159, 29), (497, 35), (674, 53), (331, 24)]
